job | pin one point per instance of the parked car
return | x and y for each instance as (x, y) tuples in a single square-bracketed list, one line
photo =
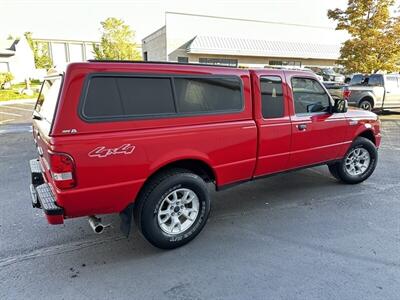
[(337, 90), (328, 74), (146, 140), (376, 91)]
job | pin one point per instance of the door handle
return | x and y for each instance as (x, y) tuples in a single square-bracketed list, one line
[(301, 127)]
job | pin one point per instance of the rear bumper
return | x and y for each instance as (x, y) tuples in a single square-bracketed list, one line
[(42, 196)]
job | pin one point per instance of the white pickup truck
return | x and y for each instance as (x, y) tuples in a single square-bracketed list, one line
[(376, 91)]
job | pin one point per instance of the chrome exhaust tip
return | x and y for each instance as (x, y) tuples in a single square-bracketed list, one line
[(96, 225)]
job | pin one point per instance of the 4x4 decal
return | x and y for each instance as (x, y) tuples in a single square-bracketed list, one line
[(104, 152)]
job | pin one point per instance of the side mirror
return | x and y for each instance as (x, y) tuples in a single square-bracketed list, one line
[(341, 105)]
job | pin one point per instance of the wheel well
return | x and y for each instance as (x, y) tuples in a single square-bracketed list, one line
[(196, 166), (367, 98), (368, 134)]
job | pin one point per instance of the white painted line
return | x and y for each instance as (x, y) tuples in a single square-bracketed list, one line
[(18, 108), (14, 128), (27, 104), (4, 121), (11, 114), (21, 101)]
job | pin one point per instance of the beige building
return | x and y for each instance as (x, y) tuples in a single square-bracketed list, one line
[(62, 52), (240, 42)]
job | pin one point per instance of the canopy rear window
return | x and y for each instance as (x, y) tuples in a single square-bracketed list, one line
[(47, 101)]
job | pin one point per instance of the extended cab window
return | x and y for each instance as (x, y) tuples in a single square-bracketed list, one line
[(309, 96), (375, 80), (122, 97), (272, 97), (197, 95)]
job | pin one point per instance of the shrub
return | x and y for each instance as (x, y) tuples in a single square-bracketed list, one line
[(5, 78)]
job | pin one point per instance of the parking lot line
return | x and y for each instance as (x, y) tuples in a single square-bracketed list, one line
[(27, 104), (11, 114), (17, 108), (8, 120)]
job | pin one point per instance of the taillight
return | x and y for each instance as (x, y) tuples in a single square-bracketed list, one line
[(62, 170), (346, 94)]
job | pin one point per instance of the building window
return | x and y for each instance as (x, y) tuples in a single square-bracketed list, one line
[(4, 67), (219, 61), (145, 56), (182, 59), (75, 52), (89, 51), (285, 63), (59, 53)]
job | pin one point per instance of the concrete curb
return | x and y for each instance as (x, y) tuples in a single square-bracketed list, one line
[(21, 101)]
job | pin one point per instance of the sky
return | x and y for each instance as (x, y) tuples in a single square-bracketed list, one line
[(80, 19)]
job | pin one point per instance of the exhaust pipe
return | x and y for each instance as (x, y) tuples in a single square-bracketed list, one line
[(96, 224)]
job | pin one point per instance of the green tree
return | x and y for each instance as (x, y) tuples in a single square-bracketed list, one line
[(117, 41), (374, 43), (40, 52)]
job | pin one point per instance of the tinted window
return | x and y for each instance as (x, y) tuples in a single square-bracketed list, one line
[(146, 96), (128, 96), (309, 96), (271, 97), (375, 80), (208, 94), (102, 98), (357, 79)]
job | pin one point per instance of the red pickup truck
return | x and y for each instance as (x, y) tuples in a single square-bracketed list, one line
[(145, 140)]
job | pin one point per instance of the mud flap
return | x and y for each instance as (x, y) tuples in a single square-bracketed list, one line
[(126, 220)]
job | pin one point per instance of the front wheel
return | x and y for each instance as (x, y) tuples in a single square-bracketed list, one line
[(358, 164), (173, 208)]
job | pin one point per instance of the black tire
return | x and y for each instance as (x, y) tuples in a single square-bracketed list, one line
[(366, 104), (339, 170), (151, 198)]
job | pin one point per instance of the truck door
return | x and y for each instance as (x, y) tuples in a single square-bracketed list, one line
[(273, 122), (392, 91), (317, 135)]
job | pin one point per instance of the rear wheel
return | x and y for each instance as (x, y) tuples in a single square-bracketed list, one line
[(358, 163), (173, 208), (366, 105)]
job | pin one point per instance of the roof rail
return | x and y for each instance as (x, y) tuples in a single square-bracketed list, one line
[(156, 62)]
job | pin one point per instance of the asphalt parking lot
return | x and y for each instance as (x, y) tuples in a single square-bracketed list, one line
[(16, 112), (299, 235)]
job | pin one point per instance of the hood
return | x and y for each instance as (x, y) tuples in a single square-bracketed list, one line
[(359, 113)]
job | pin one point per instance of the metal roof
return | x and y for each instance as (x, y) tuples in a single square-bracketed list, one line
[(6, 52), (7, 47), (252, 47)]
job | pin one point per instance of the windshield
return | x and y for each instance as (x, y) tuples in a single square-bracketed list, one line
[(328, 71), (47, 100)]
